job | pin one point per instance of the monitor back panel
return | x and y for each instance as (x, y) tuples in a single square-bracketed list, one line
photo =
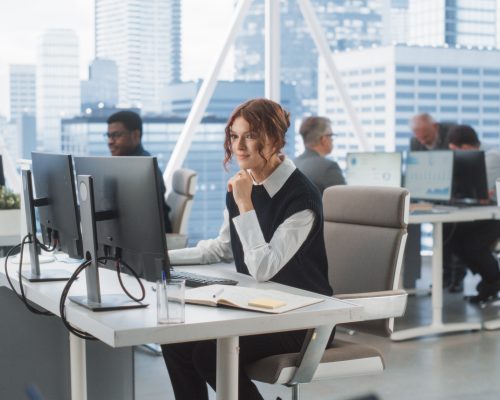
[(129, 188), (54, 179)]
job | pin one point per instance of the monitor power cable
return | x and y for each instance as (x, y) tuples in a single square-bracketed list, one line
[(102, 260), (21, 295)]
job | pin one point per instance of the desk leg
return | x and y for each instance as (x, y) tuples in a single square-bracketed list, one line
[(437, 326), (227, 368), (78, 367)]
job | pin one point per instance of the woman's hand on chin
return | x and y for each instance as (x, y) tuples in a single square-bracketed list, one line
[(241, 186)]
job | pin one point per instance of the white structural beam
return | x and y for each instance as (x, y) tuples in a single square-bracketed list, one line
[(204, 94), (324, 51), (12, 178), (272, 78)]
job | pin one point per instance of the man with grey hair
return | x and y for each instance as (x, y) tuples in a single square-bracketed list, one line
[(318, 141), (428, 134)]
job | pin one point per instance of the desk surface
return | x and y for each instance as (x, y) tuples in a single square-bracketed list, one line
[(138, 326), (458, 215)]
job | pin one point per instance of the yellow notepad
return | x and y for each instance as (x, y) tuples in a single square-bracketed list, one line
[(266, 303)]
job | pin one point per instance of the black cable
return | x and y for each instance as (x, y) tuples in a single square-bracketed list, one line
[(62, 310), (136, 276), (46, 248), (22, 295)]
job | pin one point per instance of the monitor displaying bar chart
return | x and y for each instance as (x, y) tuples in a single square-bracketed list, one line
[(429, 175), (374, 169)]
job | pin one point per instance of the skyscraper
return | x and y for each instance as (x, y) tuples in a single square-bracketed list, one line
[(143, 38), (389, 85), (347, 24), (57, 85), (102, 86), (22, 92), (452, 22)]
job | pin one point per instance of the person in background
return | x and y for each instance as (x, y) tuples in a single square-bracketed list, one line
[(431, 135), (472, 241), (428, 134), (318, 141), (464, 137), (272, 229), (124, 139)]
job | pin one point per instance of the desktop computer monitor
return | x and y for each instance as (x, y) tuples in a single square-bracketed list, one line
[(2, 177), (121, 208), (56, 201), (469, 176), (429, 174), (129, 211), (54, 180), (374, 169)]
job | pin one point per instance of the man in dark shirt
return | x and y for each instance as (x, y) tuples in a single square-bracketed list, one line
[(124, 139), (430, 135), (318, 141)]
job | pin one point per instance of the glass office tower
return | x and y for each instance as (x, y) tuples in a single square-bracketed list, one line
[(389, 85), (453, 22), (57, 85), (143, 38), (347, 23), (102, 85), (22, 92)]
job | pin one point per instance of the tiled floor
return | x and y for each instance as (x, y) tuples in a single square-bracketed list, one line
[(460, 366)]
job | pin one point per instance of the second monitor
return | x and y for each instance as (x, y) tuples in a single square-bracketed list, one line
[(429, 175), (374, 169), (122, 224)]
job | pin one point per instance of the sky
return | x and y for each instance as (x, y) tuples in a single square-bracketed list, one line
[(204, 24)]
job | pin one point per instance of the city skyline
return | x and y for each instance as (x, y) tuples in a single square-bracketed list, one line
[(19, 32)]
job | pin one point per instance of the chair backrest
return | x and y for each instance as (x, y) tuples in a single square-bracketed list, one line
[(365, 236), (180, 198)]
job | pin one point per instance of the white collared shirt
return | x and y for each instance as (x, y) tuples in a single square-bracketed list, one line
[(263, 259)]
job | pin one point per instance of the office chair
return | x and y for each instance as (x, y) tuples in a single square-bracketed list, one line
[(365, 235), (180, 201)]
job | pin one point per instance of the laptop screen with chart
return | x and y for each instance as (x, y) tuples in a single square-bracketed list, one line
[(374, 169), (429, 175)]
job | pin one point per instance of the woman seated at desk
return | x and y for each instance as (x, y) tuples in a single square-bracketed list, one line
[(273, 230)]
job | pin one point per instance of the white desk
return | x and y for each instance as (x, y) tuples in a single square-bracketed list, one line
[(437, 219), (135, 327)]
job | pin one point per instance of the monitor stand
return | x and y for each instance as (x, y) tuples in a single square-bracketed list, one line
[(35, 274), (94, 300)]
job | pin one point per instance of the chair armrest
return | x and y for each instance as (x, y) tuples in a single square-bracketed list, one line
[(310, 355), (378, 305)]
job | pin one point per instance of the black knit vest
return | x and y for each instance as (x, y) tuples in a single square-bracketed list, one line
[(308, 268)]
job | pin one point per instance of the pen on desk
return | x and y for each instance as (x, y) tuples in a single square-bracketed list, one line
[(218, 293)]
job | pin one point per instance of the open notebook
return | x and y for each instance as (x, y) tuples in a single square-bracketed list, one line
[(269, 301)]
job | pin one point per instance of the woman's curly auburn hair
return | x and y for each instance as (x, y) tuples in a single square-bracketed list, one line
[(266, 118)]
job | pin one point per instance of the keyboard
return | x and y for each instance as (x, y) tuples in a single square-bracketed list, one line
[(196, 280)]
